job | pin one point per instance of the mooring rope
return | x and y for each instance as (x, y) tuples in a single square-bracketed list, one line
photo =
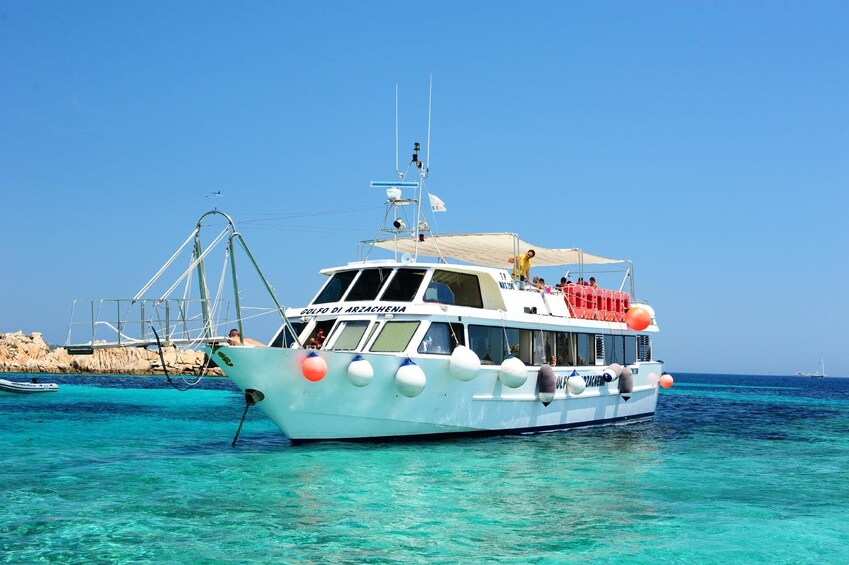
[(165, 367)]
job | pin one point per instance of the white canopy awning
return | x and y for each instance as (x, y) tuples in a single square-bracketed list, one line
[(490, 250)]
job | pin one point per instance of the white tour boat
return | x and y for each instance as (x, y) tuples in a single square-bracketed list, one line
[(409, 347), (440, 339)]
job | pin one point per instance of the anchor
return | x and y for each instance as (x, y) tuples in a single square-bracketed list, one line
[(252, 396)]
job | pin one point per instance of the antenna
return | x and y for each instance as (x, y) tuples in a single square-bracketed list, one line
[(429, 101), (397, 172)]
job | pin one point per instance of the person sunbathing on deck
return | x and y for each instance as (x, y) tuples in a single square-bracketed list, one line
[(233, 339)]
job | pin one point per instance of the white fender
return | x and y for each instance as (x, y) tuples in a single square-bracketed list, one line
[(360, 371), (513, 372), (410, 379), (576, 384), (464, 363), (612, 372)]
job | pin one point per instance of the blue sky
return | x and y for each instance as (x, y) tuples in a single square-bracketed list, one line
[(706, 141)]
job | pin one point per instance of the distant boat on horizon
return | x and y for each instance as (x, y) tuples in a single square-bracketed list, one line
[(816, 375)]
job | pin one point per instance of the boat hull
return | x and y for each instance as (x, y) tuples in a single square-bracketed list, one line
[(335, 409)]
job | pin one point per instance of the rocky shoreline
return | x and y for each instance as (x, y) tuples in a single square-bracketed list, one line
[(22, 353)]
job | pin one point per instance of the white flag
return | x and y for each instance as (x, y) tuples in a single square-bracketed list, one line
[(436, 204)]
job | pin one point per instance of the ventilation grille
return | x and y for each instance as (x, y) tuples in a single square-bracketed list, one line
[(643, 348), (599, 349)]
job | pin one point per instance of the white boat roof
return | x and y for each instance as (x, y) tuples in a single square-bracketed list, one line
[(490, 249)]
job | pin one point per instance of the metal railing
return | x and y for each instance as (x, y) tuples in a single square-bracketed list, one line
[(127, 322), (177, 321)]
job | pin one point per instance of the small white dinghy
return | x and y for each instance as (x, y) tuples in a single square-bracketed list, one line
[(27, 388)]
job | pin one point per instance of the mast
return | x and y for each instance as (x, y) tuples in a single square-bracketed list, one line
[(423, 169), (398, 173), (393, 222)]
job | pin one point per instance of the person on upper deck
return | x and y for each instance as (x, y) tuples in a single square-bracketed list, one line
[(581, 281), (522, 264), (563, 282), (593, 283)]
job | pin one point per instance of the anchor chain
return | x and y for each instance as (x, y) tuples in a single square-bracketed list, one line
[(165, 367)]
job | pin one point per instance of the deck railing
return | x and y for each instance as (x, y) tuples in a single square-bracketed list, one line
[(105, 323)]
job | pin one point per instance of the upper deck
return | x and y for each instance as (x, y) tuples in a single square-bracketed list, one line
[(434, 288)]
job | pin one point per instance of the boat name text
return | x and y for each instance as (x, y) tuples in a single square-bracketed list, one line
[(591, 380), (353, 310)]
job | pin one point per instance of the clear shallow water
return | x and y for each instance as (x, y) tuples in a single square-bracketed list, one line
[(733, 469)]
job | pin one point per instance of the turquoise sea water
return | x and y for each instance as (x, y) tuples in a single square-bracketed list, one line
[(733, 469)]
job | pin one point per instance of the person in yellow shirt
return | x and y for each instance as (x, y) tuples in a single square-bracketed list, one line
[(522, 264)]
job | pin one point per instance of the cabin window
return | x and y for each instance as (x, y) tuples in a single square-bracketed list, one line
[(460, 289), (368, 285), (614, 349), (488, 343), (284, 337), (630, 349), (441, 338), (371, 332), (394, 337), (514, 343), (335, 287), (533, 347), (524, 348), (404, 285), (493, 343), (348, 335), (585, 349), (544, 346), (565, 349), (620, 349)]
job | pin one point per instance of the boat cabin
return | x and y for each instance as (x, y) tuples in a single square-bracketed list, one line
[(430, 308)]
